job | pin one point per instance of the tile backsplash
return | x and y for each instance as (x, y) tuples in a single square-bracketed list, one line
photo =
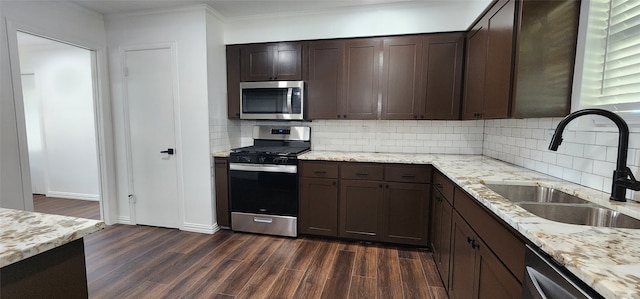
[(587, 156), (386, 136)]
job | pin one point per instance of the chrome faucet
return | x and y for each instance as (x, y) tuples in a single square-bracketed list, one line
[(622, 177)]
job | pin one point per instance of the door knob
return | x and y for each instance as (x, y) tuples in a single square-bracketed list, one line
[(168, 151)]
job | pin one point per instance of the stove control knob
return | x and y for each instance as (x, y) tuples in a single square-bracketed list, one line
[(280, 160), (261, 160), (244, 159)]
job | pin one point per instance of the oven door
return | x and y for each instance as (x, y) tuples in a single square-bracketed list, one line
[(264, 189)]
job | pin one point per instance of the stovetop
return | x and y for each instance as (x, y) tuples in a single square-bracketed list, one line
[(272, 150), (274, 145)]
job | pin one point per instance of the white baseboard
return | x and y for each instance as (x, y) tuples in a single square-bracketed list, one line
[(200, 228), (123, 220), (70, 195)]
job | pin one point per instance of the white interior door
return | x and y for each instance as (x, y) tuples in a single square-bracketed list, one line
[(150, 98)]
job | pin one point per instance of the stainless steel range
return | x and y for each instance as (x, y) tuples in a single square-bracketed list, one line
[(264, 181)]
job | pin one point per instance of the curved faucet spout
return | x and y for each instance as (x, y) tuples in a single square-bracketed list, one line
[(621, 181)]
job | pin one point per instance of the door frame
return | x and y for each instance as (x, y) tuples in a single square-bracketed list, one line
[(172, 46), (102, 113)]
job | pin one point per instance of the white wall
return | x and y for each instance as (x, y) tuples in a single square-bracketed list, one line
[(60, 21), (416, 17), (187, 29), (64, 88)]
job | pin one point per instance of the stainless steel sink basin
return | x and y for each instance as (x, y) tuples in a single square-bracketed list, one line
[(559, 206), (582, 214), (518, 193)]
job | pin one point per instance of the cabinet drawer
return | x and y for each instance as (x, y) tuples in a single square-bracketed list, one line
[(407, 173), (319, 170), (361, 171), (498, 238), (444, 185)]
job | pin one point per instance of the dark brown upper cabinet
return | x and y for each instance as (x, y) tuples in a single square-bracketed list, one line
[(233, 82), (344, 79), (443, 56), (273, 61), (404, 77), (422, 76), (402, 94), (361, 79), (520, 59), (325, 80)]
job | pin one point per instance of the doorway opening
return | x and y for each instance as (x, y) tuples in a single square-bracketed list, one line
[(59, 104)]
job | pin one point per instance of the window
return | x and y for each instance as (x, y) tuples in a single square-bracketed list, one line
[(609, 76)]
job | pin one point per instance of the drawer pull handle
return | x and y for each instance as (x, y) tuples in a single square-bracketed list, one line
[(408, 176), (320, 172), (262, 220), (438, 185), (469, 240), (361, 173)]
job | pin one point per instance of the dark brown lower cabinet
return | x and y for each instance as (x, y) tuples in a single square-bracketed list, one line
[(361, 204), (319, 206), (405, 216), (221, 182), (441, 213), (475, 271)]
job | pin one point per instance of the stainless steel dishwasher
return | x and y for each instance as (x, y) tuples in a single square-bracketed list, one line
[(545, 279)]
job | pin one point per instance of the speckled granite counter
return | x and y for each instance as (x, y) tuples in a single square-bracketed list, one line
[(224, 154), (25, 234), (607, 259)]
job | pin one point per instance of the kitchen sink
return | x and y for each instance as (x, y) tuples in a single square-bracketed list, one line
[(518, 193), (582, 214), (555, 205)]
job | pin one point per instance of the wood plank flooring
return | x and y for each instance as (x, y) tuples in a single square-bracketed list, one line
[(66, 207), (126, 261)]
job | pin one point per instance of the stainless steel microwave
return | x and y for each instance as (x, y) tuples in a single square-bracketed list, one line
[(275, 100)]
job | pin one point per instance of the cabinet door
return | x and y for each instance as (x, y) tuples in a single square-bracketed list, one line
[(443, 55), (221, 168), (233, 82), (326, 71), (288, 62), (463, 260), (405, 216), (319, 206), (401, 78), (441, 235), (361, 209), (494, 280), (257, 62), (362, 79), (497, 88), (474, 79)]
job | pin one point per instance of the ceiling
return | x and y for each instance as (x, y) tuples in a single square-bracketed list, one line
[(242, 8)]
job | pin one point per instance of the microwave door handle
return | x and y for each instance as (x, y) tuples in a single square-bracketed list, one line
[(289, 96)]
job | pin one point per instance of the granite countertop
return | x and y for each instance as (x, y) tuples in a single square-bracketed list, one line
[(24, 234), (607, 259), (224, 154)]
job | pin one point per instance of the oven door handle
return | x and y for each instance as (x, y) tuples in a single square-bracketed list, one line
[(263, 167)]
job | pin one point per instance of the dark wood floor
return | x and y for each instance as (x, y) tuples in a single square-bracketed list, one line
[(125, 261), (66, 207), (147, 262)]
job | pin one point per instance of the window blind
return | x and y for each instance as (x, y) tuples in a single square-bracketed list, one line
[(620, 81)]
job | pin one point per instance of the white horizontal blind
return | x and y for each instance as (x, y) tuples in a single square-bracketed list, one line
[(621, 72), (611, 66)]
